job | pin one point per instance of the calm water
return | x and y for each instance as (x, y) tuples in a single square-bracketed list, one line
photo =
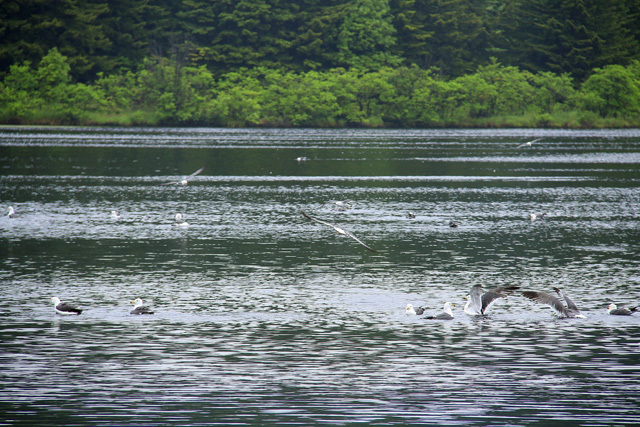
[(265, 318)]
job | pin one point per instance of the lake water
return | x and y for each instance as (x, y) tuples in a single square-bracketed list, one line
[(263, 317)]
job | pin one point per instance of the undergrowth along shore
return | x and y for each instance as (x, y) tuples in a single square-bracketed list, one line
[(161, 92)]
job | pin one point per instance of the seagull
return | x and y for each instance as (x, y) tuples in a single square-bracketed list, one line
[(447, 314), (180, 221), (478, 301), (533, 217), (622, 311), (571, 310), (529, 143), (138, 308), (411, 215), (64, 308), (115, 215), (453, 224), (339, 231), (302, 159), (186, 179), (413, 312), (342, 205), (11, 212)]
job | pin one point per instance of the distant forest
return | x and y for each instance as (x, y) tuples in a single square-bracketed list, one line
[(144, 58)]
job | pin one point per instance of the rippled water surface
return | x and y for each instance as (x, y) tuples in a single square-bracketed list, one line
[(263, 317)]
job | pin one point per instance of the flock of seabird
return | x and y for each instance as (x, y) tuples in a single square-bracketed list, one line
[(479, 301)]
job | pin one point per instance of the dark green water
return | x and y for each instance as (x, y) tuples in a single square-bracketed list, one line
[(265, 318)]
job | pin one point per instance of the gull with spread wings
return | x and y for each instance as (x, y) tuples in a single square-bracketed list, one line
[(339, 230), (185, 180)]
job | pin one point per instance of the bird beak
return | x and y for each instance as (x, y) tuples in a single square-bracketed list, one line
[(453, 305)]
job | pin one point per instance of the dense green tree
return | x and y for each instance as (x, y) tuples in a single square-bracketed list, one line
[(366, 36), (568, 36)]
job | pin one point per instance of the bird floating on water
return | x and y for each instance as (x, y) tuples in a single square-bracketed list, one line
[(411, 215), (413, 311), (621, 311), (479, 301), (447, 314), (11, 213), (185, 180), (453, 224), (64, 308), (115, 215), (528, 143), (139, 308), (302, 159), (533, 217), (180, 221), (571, 310), (342, 204), (339, 230)]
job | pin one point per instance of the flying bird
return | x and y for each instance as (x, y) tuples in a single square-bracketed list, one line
[(528, 143), (64, 308), (139, 308), (185, 180), (447, 314), (571, 310), (622, 311), (339, 231), (479, 301)]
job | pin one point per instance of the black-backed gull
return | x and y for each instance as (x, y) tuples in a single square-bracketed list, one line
[(64, 308), (571, 310)]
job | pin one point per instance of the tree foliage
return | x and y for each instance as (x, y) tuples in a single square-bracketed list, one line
[(456, 36), (164, 91)]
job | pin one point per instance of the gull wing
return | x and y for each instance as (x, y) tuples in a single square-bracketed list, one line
[(570, 304), (195, 173), (339, 230), (63, 306), (328, 224), (350, 234), (547, 299), (188, 177), (491, 296)]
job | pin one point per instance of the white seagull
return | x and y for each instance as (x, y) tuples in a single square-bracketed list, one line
[(571, 310), (533, 216), (115, 215), (138, 308), (342, 205), (622, 311), (479, 301), (447, 314), (186, 179), (11, 212), (528, 143), (180, 221), (339, 231), (64, 308)]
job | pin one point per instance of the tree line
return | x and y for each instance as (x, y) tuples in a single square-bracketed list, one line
[(163, 91), (453, 36)]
